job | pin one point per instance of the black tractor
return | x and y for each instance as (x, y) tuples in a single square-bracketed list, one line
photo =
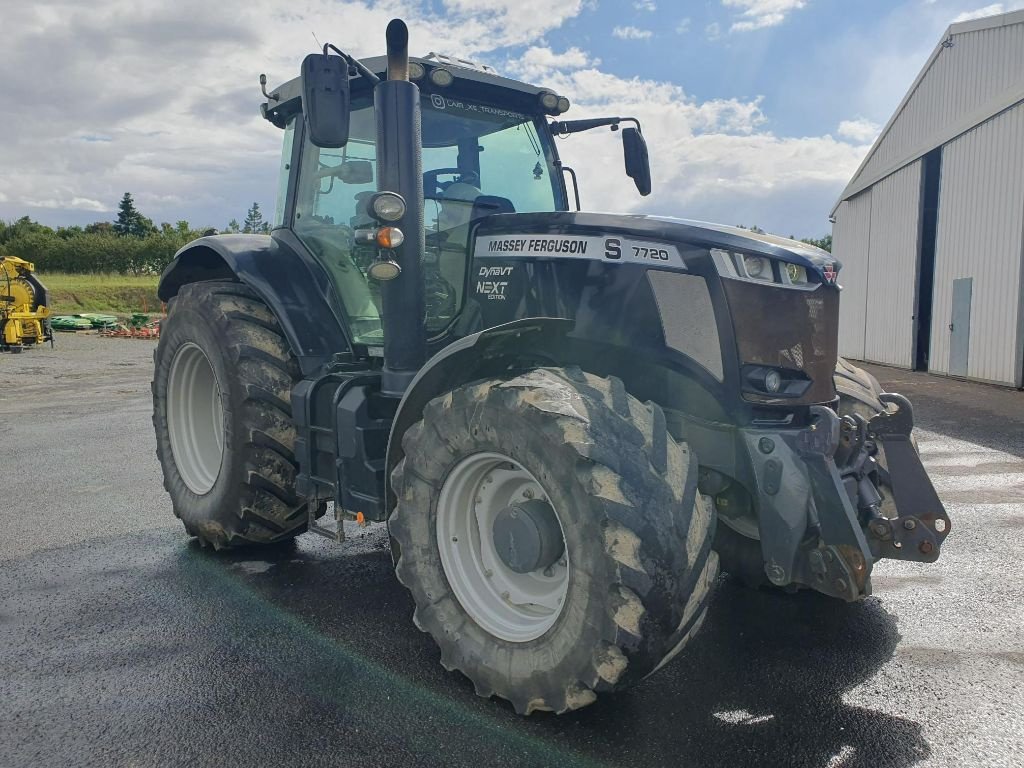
[(568, 420)]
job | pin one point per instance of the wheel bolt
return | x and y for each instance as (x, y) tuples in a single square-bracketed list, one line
[(504, 596), (488, 573), (549, 572), (528, 494), (926, 547), (910, 524)]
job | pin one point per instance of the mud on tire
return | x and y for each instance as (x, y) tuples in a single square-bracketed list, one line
[(637, 533), (252, 500)]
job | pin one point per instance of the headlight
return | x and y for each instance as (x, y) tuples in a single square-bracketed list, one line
[(797, 275), (757, 267)]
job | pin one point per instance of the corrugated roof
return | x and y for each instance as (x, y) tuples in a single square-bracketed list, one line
[(874, 168)]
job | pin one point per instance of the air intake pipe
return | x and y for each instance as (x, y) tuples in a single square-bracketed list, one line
[(399, 169)]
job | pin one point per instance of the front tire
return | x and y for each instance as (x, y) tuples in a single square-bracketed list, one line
[(621, 593), (222, 414)]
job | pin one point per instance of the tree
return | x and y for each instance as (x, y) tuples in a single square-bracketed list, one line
[(234, 227), (824, 243), (127, 216), (100, 228), (755, 229), (253, 220), (131, 223)]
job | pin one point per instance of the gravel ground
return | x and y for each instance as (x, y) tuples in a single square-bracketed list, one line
[(125, 644)]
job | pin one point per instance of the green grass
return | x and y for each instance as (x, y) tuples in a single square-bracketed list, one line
[(114, 294)]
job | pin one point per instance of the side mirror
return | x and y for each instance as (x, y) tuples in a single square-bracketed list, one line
[(349, 172), (326, 100), (638, 165)]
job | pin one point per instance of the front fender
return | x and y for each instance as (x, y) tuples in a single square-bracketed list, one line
[(293, 285), (481, 355)]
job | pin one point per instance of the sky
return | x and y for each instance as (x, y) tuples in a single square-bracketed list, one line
[(756, 112)]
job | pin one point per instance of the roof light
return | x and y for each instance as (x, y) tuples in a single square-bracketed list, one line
[(416, 70), (549, 101), (441, 77), (563, 104)]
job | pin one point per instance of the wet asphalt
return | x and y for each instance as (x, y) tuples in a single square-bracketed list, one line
[(123, 643)]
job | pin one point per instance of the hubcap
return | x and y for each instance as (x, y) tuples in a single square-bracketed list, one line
[(195, 418), (502, 547)]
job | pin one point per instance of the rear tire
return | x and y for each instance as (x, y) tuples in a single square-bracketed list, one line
[(636, 535), (222, 413)]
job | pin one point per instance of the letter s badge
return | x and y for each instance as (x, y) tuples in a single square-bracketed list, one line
[(612, 248)]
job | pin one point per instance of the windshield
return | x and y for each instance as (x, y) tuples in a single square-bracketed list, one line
[(477, 160)]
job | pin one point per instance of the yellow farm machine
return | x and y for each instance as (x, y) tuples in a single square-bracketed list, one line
[(23, 312)]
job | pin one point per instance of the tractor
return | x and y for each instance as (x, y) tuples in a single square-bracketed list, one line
[(569, 421)]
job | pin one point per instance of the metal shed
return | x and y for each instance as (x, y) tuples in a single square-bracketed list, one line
[(930, 229)]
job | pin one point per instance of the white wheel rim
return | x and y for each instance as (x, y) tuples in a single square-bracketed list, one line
[(512, 606), (195, 418)]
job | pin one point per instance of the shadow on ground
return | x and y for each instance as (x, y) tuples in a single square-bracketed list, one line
[(174, 654)]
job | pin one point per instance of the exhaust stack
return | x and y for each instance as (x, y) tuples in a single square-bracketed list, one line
[(399, 169), (398, 50)]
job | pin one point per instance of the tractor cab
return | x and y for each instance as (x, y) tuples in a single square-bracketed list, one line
[(486, 149)]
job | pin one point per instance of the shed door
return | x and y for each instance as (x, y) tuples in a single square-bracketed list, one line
[(960, 327)]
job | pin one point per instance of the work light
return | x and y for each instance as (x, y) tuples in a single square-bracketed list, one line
[(387, 206)]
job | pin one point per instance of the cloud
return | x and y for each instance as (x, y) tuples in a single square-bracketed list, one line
[(683, 26), (645, 5), (713, 31), (861, 131), (758, 14), (710, 160), (163, 103), (988, 10), (632, 33), (73, 203), (538, 62)]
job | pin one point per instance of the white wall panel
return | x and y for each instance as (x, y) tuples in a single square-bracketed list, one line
[(892, 267), (979, 67), (850, 238), (980, 231)]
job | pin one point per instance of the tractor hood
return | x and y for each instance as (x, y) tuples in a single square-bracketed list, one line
[(664, 228)]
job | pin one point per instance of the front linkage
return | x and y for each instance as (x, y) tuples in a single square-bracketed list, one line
[(821, 521)]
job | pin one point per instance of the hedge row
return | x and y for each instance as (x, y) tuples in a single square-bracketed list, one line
[(97, 252)]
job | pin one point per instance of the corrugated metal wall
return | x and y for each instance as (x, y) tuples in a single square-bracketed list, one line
[(892, 267), (980, 233), (850, 245), (980, 66), (875, 237)]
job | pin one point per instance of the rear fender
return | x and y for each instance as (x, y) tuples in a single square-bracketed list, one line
[(481, 355), (292, 284)]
